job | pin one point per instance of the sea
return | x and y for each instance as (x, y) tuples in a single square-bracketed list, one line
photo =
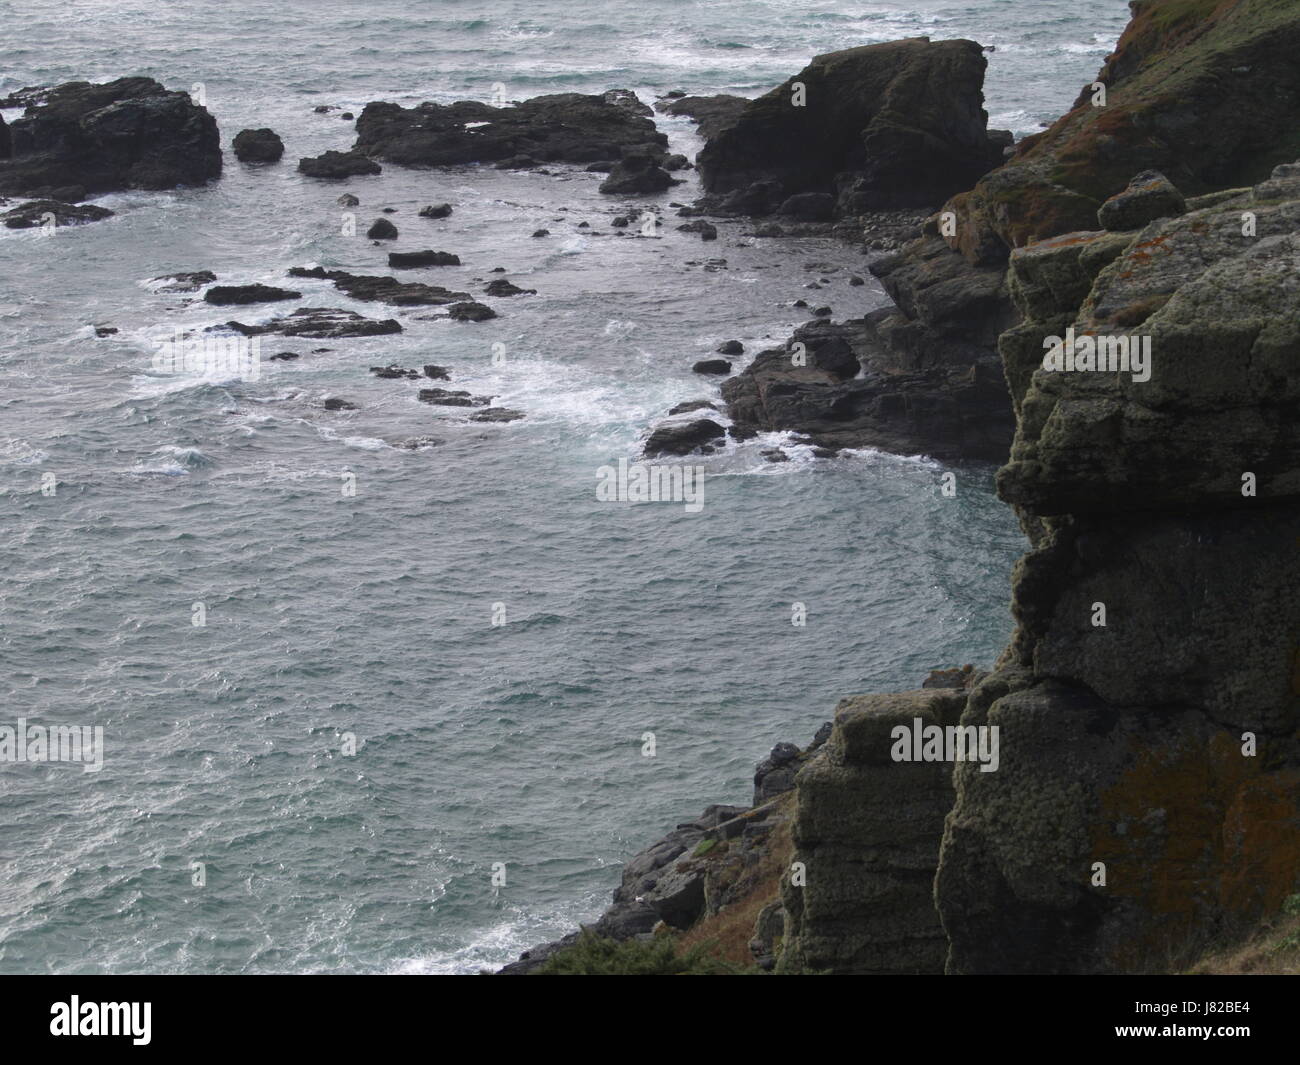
[(369, 708)]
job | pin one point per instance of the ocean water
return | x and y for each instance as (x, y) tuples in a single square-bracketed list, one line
[(370, 615)]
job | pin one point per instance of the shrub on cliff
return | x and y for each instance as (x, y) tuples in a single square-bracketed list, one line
[(593, 955)]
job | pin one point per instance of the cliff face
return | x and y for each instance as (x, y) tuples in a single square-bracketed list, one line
[(1146, 804)]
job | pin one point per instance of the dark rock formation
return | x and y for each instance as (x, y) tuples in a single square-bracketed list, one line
[(840, 384), (382, 229), (321, 323), (712, 366), (382, 289), (125, 134), (443, 397), (712, 114), (441, 210), (258, 146), (501, 287), (887, 125), (35, 213), (1149, 196), (636, 174), (564, 128), (470, 311), (231, 295), (336, 165), (405, 259), (497, 414), (186, 282), (681, 438)]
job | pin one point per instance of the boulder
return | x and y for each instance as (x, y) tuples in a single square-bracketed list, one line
[(470, 311), (258, 146), (441, 210), (681, 438), (712, 366), (125, 134), (1150, 195), (636, 175), (382, 229)]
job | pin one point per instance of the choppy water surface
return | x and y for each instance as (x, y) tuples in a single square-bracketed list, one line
[(371, 614)]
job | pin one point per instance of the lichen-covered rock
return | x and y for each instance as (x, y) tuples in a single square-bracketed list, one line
[(1150, 195), (867, 832)]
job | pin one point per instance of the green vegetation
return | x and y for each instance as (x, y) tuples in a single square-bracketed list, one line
[(593, 955)]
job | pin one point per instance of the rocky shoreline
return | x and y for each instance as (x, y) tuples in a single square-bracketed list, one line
[(1145, 806)]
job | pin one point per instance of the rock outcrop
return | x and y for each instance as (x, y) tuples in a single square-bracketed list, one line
[(84, 139), (563, 128), (258, 146), (900, 124)]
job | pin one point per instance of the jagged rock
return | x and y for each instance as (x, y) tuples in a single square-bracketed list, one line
[(186, 282), (233, 295), (563, 128), (706, 230), (436, 373), (683, 438), (712, 114), (443, 397), (348, 200), (470, 311), (406, 259), (502, 287), (627, 99), (886, 125), (391, 373), (336, 165), (383, 289), (636, 174), (258, 146), (322, 323), (690, 405), (1150, 195), (1172, 67), (497, 414), (125, 134), (36, 213)]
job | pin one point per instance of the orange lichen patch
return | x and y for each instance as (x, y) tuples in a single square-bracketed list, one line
[(1196, 836), (1143, 254)]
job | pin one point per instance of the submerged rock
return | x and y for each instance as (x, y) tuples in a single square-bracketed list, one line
[(470, 311), (36, 213), (383, 289), (186, 282), (406, 259), (323, 323)]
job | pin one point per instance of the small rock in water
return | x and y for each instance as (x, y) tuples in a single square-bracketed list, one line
[(334, 403), (822, 312), (285, 356), (690, 405), (422, 258), (258, 146), (731, 347), (497, 414), (712, 366), (382, 229), (105, 330), (186, 282), (775, 454), (440, 210), (392, 372), (470, 311), (541, 232), (348, 200), (502, 287), (436, 373), (227, 295)]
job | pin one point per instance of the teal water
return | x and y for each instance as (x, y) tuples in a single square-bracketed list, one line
[(371, 614)]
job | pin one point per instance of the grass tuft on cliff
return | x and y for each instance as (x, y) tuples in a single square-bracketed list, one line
[(1275, 951), (593, 955)]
